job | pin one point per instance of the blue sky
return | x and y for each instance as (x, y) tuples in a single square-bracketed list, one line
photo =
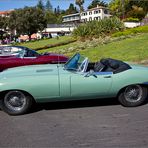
[(13, 4)]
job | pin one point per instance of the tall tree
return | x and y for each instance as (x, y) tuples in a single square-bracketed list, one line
[(48, 6), (50, 17), (3, 25), (118, 7), (71, 9), (136, 12), (3, 22), (80, 4), (55, 10), (139, 3), (94, 4), (40, 5), (126, 7), (58, 10), (27, 21)]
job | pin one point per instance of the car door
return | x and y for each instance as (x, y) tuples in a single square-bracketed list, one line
[(94, 85)]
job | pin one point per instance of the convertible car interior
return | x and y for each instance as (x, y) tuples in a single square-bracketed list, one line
[(81, 64), (108, 65)]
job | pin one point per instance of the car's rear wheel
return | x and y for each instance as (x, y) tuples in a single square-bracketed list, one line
[(133, 95), (16, 102)]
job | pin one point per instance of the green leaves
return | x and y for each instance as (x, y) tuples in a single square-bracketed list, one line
[(80, 4), (3, 22), (27, 21), (129, 8), (94, 4), (72, 9), (98, 28), (141, 29)]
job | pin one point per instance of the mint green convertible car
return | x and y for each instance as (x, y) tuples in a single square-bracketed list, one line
[(76, 80)]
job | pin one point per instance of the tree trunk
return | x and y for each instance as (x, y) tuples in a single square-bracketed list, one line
[(29, 37)]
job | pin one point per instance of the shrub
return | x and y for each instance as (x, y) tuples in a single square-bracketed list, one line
[(131, 19), (136, 12), (83, 30), (98, 28), (141, 29)]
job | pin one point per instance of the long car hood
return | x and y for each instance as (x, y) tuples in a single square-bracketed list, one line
[(29, 70), (140, 67)]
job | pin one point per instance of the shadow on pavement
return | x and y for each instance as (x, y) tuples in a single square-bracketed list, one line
[(74, 104)]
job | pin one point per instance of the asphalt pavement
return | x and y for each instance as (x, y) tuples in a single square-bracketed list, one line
[(93, 123)]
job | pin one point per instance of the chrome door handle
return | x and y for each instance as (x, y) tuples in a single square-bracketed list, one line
[(107, 76)]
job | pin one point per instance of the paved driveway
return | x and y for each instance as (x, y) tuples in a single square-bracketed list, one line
[(77, 124)]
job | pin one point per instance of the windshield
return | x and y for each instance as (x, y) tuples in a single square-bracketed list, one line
[(76, 63), (26, 52)]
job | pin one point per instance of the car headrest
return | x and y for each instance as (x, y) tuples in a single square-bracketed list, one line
[(113, 64), (104, 62)]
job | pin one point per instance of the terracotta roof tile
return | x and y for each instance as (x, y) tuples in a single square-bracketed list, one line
[(5, 12)]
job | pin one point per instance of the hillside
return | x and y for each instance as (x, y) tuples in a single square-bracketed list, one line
[(131, 48)]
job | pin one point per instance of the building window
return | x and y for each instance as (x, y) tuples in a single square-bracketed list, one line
[(105, 12), (96, 18), (90, 13), (84, 13), (90, 19), (97, 11), (84, 20)]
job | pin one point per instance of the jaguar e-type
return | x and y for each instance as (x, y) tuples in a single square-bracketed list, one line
[(76, 80)]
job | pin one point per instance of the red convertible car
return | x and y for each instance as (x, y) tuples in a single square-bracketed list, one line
[(29, 57)]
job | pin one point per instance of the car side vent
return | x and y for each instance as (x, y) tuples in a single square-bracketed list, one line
[(44, 70)]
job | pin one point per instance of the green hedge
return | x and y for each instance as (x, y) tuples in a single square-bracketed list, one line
[(141, 29), (131, 19), (55, 45)]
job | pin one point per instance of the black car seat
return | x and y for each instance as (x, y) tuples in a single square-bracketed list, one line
[(98, 67)]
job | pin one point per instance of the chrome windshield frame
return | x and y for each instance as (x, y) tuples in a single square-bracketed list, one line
[(77, 63)]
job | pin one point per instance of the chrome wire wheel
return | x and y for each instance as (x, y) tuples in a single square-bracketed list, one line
[(15, 101), (133, 93)]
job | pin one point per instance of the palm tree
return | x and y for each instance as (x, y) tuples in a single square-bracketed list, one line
[(123, 5), (80, 4)]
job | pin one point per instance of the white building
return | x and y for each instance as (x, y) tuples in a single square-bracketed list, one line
[(97, 13), (91, 14), (58, 29), (71, 18)]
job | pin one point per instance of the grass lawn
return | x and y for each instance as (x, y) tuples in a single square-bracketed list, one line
[(130, 49), (41, 43), (133, 49)]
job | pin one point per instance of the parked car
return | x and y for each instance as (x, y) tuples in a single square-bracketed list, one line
[(6, 51), (75, 80), (25, 56)]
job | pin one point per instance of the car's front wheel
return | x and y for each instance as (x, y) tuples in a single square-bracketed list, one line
[(16, 102), (133, 95)]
